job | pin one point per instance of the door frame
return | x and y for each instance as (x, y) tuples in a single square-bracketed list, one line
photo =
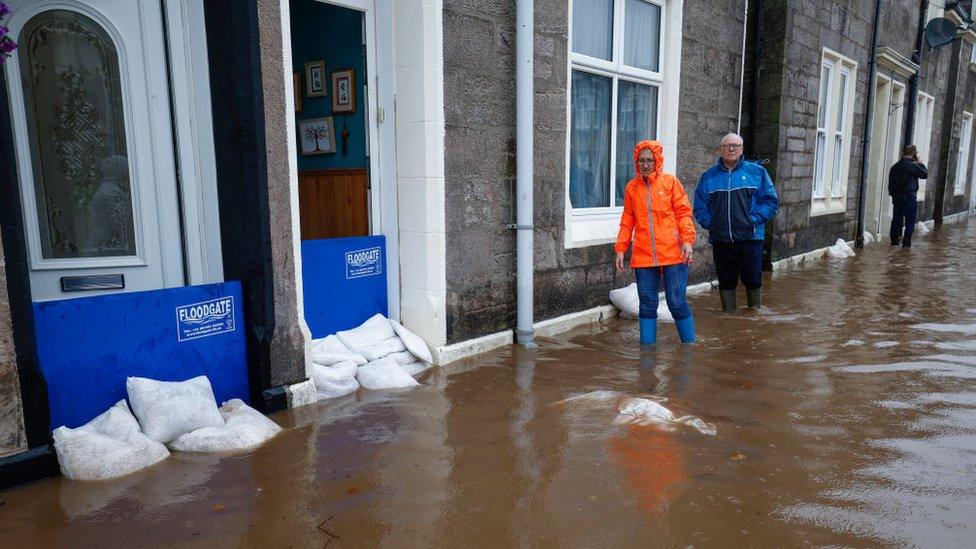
[(192, 114), (380, 127)]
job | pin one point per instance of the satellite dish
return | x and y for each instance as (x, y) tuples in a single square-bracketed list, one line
[(939, 32)]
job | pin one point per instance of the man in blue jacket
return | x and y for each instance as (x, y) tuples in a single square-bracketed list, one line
[(733, 201)]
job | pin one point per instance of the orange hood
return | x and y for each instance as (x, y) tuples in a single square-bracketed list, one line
[(657, 150)]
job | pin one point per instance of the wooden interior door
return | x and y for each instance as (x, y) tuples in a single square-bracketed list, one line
[(333, 203)]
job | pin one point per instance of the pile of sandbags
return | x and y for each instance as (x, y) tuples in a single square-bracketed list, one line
[(627, 302), (378, 354), (840, 250), (182, 415)]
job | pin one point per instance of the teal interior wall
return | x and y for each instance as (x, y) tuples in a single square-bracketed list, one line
[(334, 35)]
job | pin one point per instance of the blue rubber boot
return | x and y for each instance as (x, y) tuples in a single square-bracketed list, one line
[(686, 329), (648, 331)]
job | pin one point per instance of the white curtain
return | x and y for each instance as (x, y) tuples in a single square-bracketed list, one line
[(593, 28), (642, 35), (589, 173), (636, 121)]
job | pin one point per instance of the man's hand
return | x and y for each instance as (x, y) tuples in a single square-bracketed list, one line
[(686, 253), (620, 262)]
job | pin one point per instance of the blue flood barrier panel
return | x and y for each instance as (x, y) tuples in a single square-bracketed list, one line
[(344, 282), (88, 346)]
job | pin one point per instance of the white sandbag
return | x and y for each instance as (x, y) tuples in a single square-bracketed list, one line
[(384, 373), (868, 237), (330, 350), (336, 380), (403, 357), (244, 428), (168, 409), (416, 368), (413, 342), (840, 250), (109, 446), (383, 348), (626, 300), (643, 412), (377, 328), (922, 228)]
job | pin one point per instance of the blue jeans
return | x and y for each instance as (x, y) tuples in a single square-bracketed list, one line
[(675, 284), (904, 212)]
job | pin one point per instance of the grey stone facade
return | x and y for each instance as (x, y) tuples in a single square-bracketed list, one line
[(479, 98), (793, 37)]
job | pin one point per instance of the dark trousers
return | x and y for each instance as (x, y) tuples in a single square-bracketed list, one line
[(738, 260), (675, 283), (904, 213)]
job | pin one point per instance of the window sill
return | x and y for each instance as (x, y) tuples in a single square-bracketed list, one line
[(828, 206), (591, 229)]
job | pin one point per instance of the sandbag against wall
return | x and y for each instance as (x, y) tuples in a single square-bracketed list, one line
[(244, 428), (109, 446)]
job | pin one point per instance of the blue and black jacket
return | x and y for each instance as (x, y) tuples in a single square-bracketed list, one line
[(735, 204)]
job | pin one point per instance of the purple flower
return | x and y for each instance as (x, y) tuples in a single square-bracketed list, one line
[(7, 45), (4, 10)]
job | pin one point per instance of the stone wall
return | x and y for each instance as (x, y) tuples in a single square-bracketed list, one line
[(479, 99)]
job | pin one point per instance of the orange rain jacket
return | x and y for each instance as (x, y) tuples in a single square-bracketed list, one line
[(657, 236)]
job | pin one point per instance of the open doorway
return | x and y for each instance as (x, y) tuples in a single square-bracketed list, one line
[(886, 128), (328, 45)]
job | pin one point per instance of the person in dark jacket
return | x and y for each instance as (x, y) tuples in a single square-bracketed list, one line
[(903, 188), (733, 201)]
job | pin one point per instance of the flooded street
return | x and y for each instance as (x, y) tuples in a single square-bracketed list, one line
[(845, 415)]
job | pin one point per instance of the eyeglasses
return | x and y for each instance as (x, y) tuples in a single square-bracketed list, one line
[(732, 146), (645, 160)]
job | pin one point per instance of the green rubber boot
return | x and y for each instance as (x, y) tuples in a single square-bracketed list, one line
[(728, 300), (754, 298)]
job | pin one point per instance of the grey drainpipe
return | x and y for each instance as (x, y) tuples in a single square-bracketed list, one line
[(524, 116), (868, 115)]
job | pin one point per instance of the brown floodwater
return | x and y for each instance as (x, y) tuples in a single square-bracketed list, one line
[(845, 415)]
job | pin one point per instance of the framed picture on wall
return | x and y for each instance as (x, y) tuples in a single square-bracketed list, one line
[(315, 79), (317, 136), (343, 91), (296, 81)]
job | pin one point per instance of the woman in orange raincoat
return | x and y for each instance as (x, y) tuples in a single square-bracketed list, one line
[(658, 215)]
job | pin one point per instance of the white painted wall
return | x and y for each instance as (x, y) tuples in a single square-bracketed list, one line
[(419, 68)]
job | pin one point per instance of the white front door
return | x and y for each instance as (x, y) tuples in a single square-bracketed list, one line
[(94, 142)]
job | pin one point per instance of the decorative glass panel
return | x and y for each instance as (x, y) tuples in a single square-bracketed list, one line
[(593, 28), (636, 120), (642, 37), (75, 122), (589, 142)]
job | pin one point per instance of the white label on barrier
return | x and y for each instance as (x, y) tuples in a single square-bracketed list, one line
[(205, 319), (367, 262)]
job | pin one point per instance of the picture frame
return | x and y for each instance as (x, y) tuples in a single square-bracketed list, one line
[(316, 136), (296, 80), (344, 91), (315, 79)]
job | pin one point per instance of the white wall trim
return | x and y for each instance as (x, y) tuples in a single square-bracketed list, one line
[(419, 69)]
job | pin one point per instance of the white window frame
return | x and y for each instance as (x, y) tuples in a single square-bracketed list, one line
[(963, 153), (934, 11), (831, 170), (922, 134), (594, 226)]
